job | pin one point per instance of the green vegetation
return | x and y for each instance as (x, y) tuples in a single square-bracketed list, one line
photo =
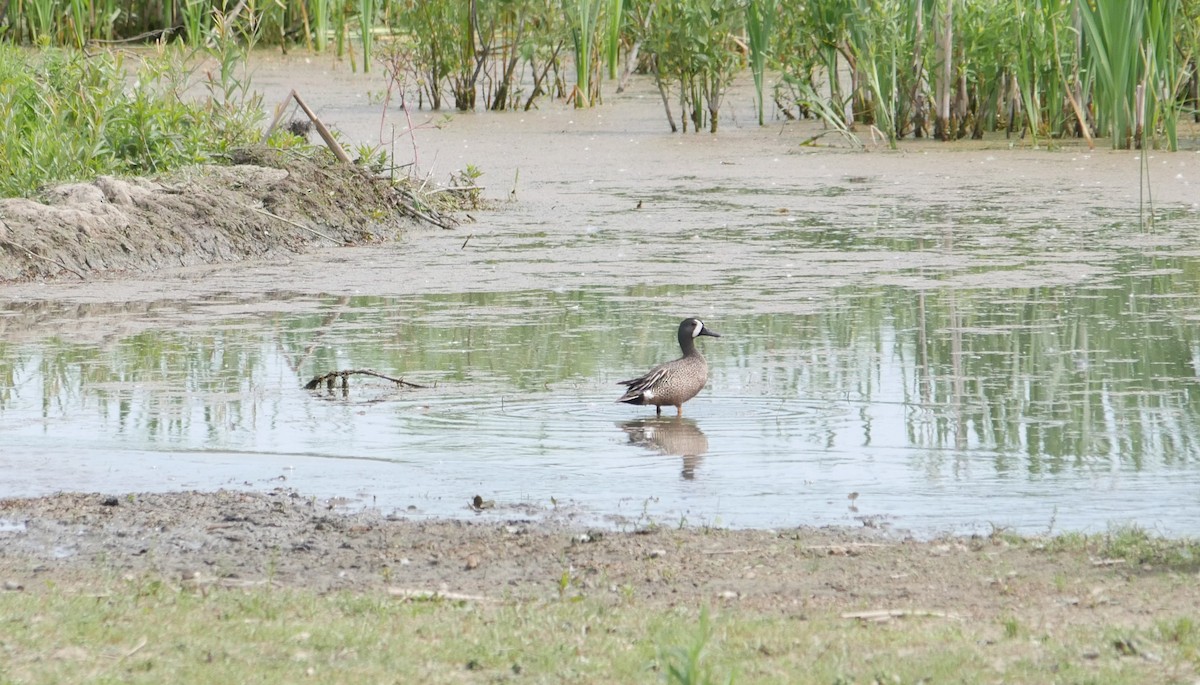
[(691, 45), (1043, 69), (760, 23), (150, 631), (584, 17), (1135, 546), (68, 116)]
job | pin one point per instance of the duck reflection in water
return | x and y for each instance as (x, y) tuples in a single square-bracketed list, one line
[(669, 435)]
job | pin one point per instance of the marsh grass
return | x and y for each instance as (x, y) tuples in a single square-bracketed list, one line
[(1039, 70), (584, 18), (760, 24), (691, 47), (151, 631)]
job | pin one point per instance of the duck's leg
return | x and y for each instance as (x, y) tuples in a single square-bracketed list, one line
[(679, 410), (658, 410)]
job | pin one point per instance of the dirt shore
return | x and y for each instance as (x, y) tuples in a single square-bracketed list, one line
[(281, 537), (270, 205)]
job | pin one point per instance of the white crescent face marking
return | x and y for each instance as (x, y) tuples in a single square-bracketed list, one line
[(699, 327)]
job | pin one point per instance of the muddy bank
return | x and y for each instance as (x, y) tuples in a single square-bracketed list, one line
[(269, 206), (284, 538)]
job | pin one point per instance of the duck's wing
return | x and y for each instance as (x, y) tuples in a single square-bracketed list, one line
[(639, 385)]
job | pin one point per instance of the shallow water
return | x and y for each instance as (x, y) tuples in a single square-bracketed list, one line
[(931, 342), (1032, 408)]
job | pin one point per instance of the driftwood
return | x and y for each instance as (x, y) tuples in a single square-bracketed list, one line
[(329, 379)]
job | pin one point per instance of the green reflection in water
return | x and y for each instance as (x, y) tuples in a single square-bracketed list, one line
[(1067, 376)]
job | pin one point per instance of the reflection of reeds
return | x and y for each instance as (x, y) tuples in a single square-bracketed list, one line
[(1055, 375)]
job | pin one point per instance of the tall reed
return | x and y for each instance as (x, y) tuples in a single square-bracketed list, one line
[(1165, 73), (584, 16), (196, 20), (43, 20), (613, 13), (366, 26), (760, 22), (320, 15), (882, 39), (1113, 30)]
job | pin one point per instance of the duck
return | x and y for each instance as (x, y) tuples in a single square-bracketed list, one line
[(673, 382)]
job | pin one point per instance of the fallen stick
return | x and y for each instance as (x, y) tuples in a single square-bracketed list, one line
[(326, 136), (888, 614), (849, 544), (409, 594), (301, 226), (332, 375), (455, 189), (31, 253)]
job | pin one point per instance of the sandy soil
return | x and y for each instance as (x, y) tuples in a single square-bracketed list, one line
[(242, 538)]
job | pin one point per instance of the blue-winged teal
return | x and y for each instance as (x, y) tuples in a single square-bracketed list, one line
[(673, 382)]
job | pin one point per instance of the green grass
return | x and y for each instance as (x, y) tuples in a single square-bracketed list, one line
[(1136, 547), (66, 116), (147, 631)]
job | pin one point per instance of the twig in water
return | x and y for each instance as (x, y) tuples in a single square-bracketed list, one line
[(332, 375), (467, 241)]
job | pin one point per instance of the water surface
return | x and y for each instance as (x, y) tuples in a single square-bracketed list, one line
[(1039, 408)]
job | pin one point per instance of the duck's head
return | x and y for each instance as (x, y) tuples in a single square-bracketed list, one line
[(694, 328)]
